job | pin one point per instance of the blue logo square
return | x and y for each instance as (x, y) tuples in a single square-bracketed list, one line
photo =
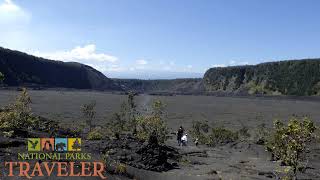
[(61, 144)]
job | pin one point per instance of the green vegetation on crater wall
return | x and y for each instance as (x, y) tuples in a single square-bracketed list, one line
[(296, 77), (187, 85)]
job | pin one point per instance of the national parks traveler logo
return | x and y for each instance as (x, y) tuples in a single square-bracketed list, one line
[(54, 144), (47, 155)]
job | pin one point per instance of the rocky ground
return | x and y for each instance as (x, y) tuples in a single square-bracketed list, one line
[(243, 159), (237, 160)]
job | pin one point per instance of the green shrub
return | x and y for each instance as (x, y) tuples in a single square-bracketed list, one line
[(244, 132), (255, 88), (129, 119), (199, 130), (94, 135), (158, 108), (126, 118), (8, 134), (153, 124), (185, 161), (289, 143), (116, 125), (18, 115), (217, 136), (120, 168), (220, 136), (262, 134)]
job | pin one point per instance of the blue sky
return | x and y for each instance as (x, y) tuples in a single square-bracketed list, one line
[(162, 38)]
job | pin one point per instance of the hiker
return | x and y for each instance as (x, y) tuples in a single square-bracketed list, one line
[(179, 135), (184, 140), (196, 142)]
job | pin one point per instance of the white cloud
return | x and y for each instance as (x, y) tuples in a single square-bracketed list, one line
[(232, 62), (14, 26), (12, 14), (235, 63), (80, 54), (106, 63), (141, 62), (115, 68), (86, 55), (219, 65), (105, 68)]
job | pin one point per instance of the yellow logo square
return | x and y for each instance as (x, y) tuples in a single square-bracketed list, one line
[(33, 144), (74, 144)]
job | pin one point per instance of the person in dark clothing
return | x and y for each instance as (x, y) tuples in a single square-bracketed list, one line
[(179, 135)]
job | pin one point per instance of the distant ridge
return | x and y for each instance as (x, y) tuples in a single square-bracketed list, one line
[(163, 86), (291, 77), (21, 69)]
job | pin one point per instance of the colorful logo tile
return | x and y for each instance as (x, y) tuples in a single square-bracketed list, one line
[(74, 144), (33, 144), (61, 144), (47, 144)]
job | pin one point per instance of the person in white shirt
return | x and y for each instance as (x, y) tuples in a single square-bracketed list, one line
[(196, 142), (184, 140)]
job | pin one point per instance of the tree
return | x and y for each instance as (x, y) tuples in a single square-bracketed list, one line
[(126, 119), (132, 112), (158, 109), (22, 107), (117, 124), (89, 113)]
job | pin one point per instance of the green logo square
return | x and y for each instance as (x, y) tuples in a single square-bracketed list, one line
[(33, 144)]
